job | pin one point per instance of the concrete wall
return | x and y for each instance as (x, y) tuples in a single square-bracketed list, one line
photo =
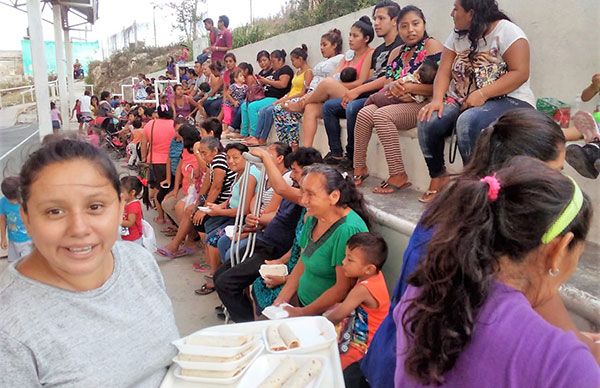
[(563, 37)]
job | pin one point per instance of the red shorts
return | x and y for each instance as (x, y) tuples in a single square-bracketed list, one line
[(227, 114)]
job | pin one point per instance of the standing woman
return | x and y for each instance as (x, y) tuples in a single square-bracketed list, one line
[(289, 122), (300, 83), (249, 121), (484, 72), (388, 120), (83, 309), (155, 145), (277, 85)]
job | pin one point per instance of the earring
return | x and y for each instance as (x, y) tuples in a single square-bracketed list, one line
[(553, 272)]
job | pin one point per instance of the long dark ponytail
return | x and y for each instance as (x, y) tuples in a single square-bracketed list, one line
[(471, 234), (349, 194), (485, 12)]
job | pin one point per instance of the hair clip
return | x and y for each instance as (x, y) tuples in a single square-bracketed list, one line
[(144, 182), (493, 186)]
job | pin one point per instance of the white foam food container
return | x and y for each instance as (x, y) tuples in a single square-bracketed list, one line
[(212, 381), (267, 363), (204, 209), (273, 270), (276, 312), (257, 347), (314, 333), (215, 351)]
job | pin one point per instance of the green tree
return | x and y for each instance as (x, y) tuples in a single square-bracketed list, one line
[(186, 17)]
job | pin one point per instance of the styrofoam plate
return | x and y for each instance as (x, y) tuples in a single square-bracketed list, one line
[(222, 366), (215, 351), (267, 363), (314, 333)]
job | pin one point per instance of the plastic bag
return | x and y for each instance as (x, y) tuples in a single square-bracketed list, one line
[(148, 237)]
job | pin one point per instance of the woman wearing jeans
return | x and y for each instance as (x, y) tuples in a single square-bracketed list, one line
[(484, 72)]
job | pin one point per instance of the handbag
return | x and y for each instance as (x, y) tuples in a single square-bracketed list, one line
[(255, 92)]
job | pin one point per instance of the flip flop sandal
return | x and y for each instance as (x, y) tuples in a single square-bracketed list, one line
[(168, 229), (185, 251), (202, 268), (387, 188), (360, 179), (166, 253), (208, 277), (170, 233), (428, 196), (204, 290)]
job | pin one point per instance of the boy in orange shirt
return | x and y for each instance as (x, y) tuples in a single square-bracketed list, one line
[(367, 304)]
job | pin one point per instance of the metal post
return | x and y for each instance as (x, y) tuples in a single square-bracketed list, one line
[(154, 22), (40, 78), (70, 77), (63, 92)]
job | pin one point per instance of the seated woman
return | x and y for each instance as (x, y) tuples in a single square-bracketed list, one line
[(518, 132), (220, 215), (335, 211), (255, 97), (302, 78), (359, 57), (183, 105), (277, 85), (101, 312), (289, 122), (211, 101), (388, 120), (503, 245), (484, 72)]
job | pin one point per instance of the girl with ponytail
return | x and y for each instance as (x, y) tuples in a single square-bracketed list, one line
[(502, 246), (335, 211)]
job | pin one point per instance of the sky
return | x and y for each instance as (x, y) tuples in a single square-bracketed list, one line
[(114, 15)]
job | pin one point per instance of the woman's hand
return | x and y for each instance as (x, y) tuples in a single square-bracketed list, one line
[(198, 217), (166, 182), (274, 281), (596, 81), (476, 98), (426, 112), (349, 96), (260, 152), (294, 311), (271, 262), (279, 300)]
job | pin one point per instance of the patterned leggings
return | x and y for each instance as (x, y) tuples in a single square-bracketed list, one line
[(386, 121), (287, 125)]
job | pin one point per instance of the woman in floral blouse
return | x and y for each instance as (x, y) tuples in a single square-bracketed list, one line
[(388, 120)]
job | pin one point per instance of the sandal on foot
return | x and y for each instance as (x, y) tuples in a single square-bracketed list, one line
[(428, 196), (359, 179), (202, 268), (204, 290), (166, 252), (388, 188), (185, 251)]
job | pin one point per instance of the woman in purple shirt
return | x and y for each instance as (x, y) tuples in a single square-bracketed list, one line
[(502, 246)]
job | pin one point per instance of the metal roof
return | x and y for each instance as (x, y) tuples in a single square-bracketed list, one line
[(85, 11)]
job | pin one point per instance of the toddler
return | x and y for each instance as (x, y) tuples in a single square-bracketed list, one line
[(425, 74), (55, 117), (18, 243), (136, 138), (367, 304), (131, 226), (233, 99)]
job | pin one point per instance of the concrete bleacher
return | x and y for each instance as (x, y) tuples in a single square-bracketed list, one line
[(552, 52)]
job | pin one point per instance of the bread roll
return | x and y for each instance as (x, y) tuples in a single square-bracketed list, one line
[(276, 343), (283, 372), (222, 341), (305, 374), (289, 338)]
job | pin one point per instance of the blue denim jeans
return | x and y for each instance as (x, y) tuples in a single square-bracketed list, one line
[(224, 246), (265, 122), (213, 107), (469, 124), (332, 113)]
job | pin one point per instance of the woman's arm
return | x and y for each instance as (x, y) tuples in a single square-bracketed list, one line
[(517, 61), (355, 298), (270, 210), (440, 86), (593, 89), (333, 295), (144, 144), (365, 73), (291, 284), (232, 212), (281, 83), (216, 186), (276, 181), (215, 85)]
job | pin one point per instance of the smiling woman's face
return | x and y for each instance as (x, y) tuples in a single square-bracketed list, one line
[(73, 215)]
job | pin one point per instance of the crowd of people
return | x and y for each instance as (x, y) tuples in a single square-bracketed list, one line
[(478, 295)]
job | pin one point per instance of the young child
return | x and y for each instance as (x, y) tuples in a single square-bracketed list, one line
[(131, 226), (55, 117), (368, 302), (76, 111), (136, 138), (232, 100), (18, 243), (425, 74)]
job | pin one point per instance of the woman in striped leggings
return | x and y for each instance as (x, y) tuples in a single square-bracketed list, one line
[(388, 120)]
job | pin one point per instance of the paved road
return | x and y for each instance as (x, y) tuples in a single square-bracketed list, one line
[(16, 142)]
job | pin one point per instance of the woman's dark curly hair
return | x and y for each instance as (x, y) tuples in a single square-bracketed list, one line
[(485, 12), (471, 234)]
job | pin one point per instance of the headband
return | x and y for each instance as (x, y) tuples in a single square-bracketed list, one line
[(566, 217)]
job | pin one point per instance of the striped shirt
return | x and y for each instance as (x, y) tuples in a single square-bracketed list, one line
[(220, 162), (175, 150)]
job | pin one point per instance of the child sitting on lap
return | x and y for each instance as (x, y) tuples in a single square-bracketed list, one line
[(425, 74), (367, 304)]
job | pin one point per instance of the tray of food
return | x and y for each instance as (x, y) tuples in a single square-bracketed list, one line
[(214, 343)]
